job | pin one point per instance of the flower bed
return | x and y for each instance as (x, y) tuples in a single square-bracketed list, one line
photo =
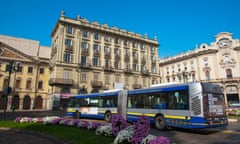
[(235, 111), (138, 133)]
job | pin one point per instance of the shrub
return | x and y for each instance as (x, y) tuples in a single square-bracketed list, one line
[(118, 124), (141, 130)]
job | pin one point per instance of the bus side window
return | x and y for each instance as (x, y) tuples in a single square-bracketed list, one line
[(100, 104), (129, 103), (112, 103), (157, 104), (108, 104)]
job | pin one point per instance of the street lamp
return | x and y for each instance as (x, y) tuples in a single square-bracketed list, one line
[(11, 67)]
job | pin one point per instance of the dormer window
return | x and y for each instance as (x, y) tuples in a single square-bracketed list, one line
[(224, 43)]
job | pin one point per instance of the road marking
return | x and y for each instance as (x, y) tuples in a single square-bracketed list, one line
[(231, 132)]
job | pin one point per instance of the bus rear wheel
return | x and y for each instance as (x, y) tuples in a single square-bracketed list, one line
[(159, 122), (108, 116)]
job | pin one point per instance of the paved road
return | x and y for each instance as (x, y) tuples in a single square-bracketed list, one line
[(229, 135), (13, 136)]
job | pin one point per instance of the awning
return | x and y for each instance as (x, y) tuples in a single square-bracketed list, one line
[(65, 95)]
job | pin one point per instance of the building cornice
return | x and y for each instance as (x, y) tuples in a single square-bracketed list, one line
[(84, 23), (186, 56)]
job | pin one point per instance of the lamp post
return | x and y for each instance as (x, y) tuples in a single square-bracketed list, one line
[(11, 67)]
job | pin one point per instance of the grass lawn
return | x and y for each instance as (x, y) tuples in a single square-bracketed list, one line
[(70, 135)]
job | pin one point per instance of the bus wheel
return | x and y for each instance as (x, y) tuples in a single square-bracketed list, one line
[(159, 122), (108, 116)]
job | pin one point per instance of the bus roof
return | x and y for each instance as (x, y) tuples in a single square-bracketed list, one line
[(162, 88)]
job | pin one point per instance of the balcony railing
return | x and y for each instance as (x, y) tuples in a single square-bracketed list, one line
[(85, 51), (108, 68), (85, 65), (97, 83), (136, 86), (145, 72), (128, 70), (60, 81)]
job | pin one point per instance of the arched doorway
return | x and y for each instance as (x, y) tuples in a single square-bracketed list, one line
[(26, 102), (64, 97), (95, 90), (82, 90), (232, 94), (38, 102), (15, 102), (3, 101)]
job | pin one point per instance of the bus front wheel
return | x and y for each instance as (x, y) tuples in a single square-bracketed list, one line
[(108, 116), (159, 122)]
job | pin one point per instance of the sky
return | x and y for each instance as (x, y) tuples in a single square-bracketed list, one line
[(179, 25)]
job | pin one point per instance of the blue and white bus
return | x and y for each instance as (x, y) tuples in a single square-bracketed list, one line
[(187, 105), (95, 105)]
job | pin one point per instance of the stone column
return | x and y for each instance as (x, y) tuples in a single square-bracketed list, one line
[(238, 92), (20, 103), (225, 95)]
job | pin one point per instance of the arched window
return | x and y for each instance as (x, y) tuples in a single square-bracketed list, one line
[(18, 83), (15, 102), (229, 73), (207, 75), (26, 102), (38, 102), (29, 84)]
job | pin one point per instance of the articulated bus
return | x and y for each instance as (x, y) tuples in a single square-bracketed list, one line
[(187, 105)]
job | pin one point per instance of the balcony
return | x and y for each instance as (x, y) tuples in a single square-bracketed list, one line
[(143, 61), (69, 49), (154, 61), (85, 65), (117, 56), (96, 53), (127, 58), (107, 55), (60, 81), (145, 72), (135, 59), (108, 68), (96, 84), (136, 86), (85, 52), (128, 70)]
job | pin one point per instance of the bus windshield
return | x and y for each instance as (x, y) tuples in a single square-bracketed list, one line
[(213, 101)]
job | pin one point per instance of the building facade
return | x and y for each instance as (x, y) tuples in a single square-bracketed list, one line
[(88, 57), (218, 63), (24, 73)]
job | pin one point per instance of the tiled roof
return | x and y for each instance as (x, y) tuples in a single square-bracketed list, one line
[(27, 46)]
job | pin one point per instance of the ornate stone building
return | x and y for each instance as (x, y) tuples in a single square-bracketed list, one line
[(24, 69), (88, 57), (218, 62)]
